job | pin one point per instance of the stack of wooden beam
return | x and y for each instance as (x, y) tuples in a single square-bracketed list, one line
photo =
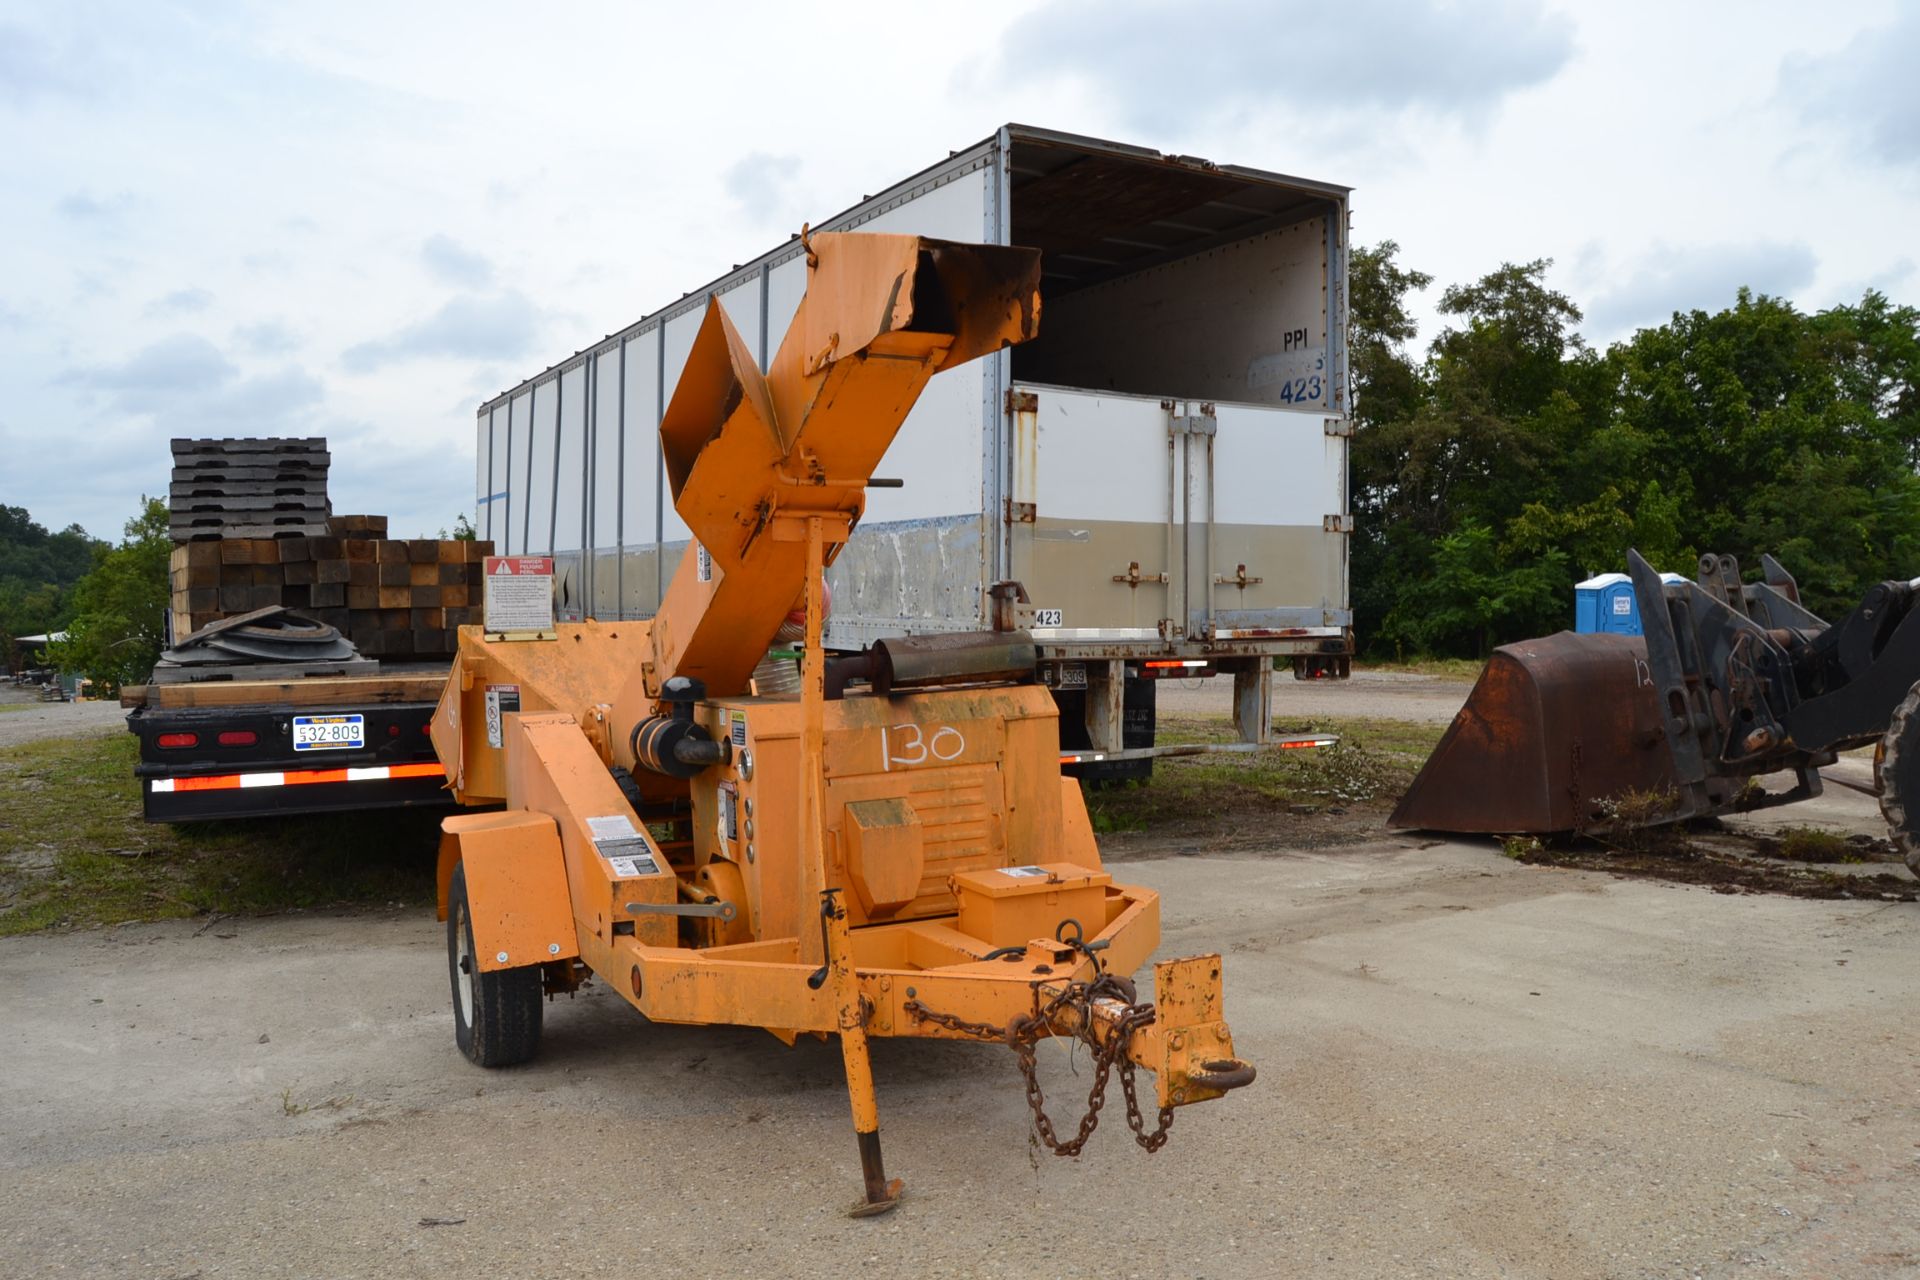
[(248, 488), (392, 598)]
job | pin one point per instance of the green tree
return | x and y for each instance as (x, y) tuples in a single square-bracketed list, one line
[(37, 570), (1498, 406), (1797, 434), (120, 606)]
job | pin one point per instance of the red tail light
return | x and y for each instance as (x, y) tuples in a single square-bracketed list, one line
[(239, 738), (174, 741)]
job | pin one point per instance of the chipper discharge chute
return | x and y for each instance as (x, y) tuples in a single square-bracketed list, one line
[(1731, 683), (890, 852)]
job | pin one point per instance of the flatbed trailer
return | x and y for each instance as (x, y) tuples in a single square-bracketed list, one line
[(241, 748)]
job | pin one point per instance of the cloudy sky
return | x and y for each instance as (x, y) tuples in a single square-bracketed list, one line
[(359, 220)]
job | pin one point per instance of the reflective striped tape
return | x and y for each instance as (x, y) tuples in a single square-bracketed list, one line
[(297, 777)]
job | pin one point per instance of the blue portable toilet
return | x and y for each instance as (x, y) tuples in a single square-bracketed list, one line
[(1607, 604)]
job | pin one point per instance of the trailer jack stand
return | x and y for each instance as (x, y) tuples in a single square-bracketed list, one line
[(882, 1195)]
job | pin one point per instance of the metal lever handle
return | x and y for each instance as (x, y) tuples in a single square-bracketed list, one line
[(711, 910), (828, 908)]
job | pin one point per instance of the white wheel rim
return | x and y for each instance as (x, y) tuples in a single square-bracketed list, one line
[(463, 965)]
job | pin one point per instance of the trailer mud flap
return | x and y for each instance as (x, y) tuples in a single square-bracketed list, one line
[(516, 887)]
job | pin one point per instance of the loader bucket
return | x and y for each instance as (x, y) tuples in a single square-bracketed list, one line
[(1554, 728)]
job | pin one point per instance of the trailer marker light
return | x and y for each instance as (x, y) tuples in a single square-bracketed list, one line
[(296, 777), (238, 738), (174, 741), (1301, 744), (1164, 663)]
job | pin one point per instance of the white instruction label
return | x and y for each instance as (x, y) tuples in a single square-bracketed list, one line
[(1025, 873), (632, 868), (624, 848), (501, 698), (616, 826)]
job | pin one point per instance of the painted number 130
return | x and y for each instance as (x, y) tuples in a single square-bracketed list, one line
[(909, 744)]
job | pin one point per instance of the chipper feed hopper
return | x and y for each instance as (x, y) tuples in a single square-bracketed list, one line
[(890, 852), (1731, 683)]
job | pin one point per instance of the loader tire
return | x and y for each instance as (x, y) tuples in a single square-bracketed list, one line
[(496, 1016), (1897, 770)]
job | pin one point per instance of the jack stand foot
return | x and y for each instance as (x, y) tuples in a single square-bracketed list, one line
[(883, 1195)]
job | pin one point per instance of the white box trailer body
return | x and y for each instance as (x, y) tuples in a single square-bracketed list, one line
[(1164, 468)]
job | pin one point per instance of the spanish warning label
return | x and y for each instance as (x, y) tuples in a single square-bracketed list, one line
[(519, 593)]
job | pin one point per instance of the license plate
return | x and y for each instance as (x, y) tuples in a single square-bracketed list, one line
[(329, 733), (1071, 675)]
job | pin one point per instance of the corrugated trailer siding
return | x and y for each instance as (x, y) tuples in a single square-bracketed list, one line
[(925, 553)]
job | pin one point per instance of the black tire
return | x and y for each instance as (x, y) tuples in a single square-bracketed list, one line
[(1897, 770), (496, 1016)]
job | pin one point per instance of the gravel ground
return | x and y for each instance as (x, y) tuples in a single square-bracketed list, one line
[(1468, 1067), (1374, 695), (24, 718)]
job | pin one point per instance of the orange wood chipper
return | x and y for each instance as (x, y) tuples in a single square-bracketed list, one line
[(892, 851)]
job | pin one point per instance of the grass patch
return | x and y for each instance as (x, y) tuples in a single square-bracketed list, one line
[(74, 850), (1810, 844), (1366, 771), (21, 706)]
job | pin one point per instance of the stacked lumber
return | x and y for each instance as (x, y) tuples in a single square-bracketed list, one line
[(391, 597), (357, 526), (248, 488)]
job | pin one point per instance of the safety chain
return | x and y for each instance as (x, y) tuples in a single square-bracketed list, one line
[(1024, 1033)]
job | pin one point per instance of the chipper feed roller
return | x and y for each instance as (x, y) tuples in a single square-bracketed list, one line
[(890, 852)]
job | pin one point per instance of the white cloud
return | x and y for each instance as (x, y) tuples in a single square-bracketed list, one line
[(1172, 70), (760, 183), (452, 263), (173, 366), (180, 302), (267, 337), (1867, 91), (467, 327), (1698, 277), (84, 206)]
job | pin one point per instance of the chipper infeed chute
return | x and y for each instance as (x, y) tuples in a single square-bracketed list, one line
[(893, 852), (1732, 683)]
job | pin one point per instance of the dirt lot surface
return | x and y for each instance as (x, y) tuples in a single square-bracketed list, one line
[(1368, 694), (24, 718), (1469, 1067)]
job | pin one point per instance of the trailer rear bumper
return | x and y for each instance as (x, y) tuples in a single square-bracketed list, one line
[(260, 796), (239, 762)]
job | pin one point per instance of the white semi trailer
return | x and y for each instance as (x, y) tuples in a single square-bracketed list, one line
[(1164, 470)]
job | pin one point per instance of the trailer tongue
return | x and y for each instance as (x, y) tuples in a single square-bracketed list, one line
[(1732, 683)]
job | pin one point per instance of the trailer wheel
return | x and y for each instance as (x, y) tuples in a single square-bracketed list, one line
[(1897, 770), (496, 1016)]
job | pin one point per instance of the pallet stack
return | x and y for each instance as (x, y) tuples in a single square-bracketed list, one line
[(249, 488), (392, 598)]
